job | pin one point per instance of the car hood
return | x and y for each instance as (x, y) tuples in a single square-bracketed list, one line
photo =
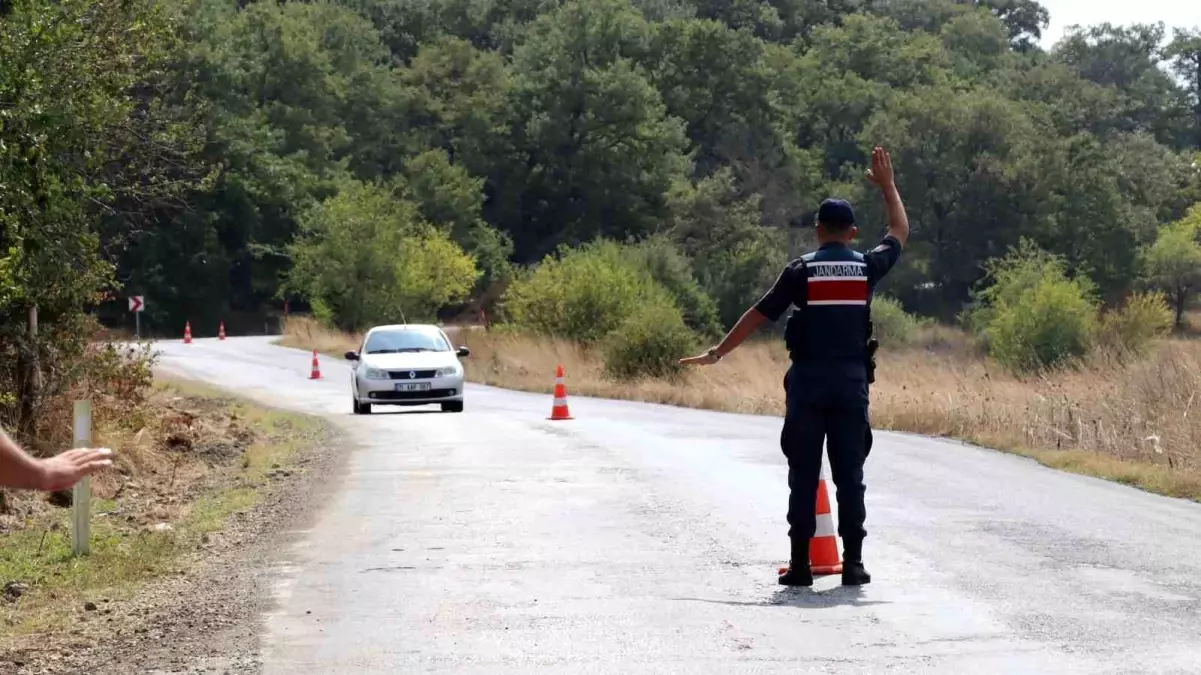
[(410, 360)]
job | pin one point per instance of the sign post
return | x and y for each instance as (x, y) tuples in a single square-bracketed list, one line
[(81, 494), (136, 304)]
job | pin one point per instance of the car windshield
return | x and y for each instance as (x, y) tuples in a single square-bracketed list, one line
[(398, 341)]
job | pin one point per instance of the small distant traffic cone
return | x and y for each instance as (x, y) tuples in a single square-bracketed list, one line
[(221, 331), (558, 410), (187, 333), (316, 368), (824, 559)]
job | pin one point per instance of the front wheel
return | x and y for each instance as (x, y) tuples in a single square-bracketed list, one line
[(453, 406), (360, 408)]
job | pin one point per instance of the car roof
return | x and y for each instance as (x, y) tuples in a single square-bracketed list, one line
[(406, 326)]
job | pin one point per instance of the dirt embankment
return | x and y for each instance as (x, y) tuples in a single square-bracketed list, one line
[(203, 487)]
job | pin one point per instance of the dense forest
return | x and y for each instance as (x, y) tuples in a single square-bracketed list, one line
[(368, 158)]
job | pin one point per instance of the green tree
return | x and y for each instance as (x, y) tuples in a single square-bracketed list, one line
[(963, 164), (451, 198), (1185, 55), (456, 99), (594, 152), (734, 258), (77, 81), (1127, 59), (297, 96), (1173, 262), (366, 257)]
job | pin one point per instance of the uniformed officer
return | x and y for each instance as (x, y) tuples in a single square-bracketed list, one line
[(827, 389)]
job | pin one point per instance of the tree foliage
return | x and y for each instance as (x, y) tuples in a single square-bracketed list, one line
[(1173, 262), (366, 257), (206, 154)]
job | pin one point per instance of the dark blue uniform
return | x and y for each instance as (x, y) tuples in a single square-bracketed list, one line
[(827, 397)]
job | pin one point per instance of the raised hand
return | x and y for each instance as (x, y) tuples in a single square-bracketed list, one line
[(881, 172)]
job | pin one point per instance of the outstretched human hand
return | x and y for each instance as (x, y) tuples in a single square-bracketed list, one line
[(881, 172), (707, 359), (62, 471)]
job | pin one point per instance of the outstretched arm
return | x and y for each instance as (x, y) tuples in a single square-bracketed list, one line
[(769, 308), (881, 174), (23, 472), (746, 326)]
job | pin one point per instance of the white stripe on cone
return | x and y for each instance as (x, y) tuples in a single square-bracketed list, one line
[(825, 521)]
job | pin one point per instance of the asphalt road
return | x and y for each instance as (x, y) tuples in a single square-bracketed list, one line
[(645, 539)]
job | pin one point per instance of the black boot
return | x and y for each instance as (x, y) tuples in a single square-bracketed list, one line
[(853, 572), (798, 572)]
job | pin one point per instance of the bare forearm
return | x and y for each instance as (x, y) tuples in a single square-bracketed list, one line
[(898, 221), (746, 326), (17, 469)]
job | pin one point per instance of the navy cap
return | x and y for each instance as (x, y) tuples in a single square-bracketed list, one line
[(836, 212)]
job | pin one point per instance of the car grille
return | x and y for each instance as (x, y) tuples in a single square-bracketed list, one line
[(410, 395), (404, 374)]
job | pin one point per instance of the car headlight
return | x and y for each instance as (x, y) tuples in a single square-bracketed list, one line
[(376, 374), (449, 371)]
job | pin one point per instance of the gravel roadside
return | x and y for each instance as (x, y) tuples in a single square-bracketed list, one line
[(204, 618)]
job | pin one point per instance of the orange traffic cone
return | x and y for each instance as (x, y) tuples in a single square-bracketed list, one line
[(316, 375), (558, 410), (221, 331), (823, 547), (187, 333)]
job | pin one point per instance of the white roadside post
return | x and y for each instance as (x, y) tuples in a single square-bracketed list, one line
[(81, 494)]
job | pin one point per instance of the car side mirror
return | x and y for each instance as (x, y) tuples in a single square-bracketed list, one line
[(463, 351), (352, 356)]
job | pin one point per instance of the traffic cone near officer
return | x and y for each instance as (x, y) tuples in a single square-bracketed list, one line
[(830, 344), (823, 547)]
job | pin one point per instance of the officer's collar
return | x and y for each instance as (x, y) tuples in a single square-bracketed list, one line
[(833, 244)]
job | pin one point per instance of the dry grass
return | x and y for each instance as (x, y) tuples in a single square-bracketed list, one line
[(1132, 421)]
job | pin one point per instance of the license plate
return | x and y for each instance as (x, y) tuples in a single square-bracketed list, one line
[(413, 386)]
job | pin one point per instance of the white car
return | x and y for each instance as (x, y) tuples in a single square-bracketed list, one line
[(412, 364)]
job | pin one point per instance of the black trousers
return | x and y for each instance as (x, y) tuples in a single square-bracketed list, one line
[(841, 424)]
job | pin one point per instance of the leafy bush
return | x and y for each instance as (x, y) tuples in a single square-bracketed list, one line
[(365, 257), (1033, 316), (735, 257), (649, 343), (670, 267), (582, 294), (891, 324), (1144, 317), (1048, 325)]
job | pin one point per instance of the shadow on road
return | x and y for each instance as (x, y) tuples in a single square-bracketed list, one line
[(404, 412), (805, 598)]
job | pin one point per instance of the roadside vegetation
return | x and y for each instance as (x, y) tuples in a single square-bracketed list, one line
[(192, 467)]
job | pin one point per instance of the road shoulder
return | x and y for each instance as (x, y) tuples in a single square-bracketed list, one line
[(202, 611)]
